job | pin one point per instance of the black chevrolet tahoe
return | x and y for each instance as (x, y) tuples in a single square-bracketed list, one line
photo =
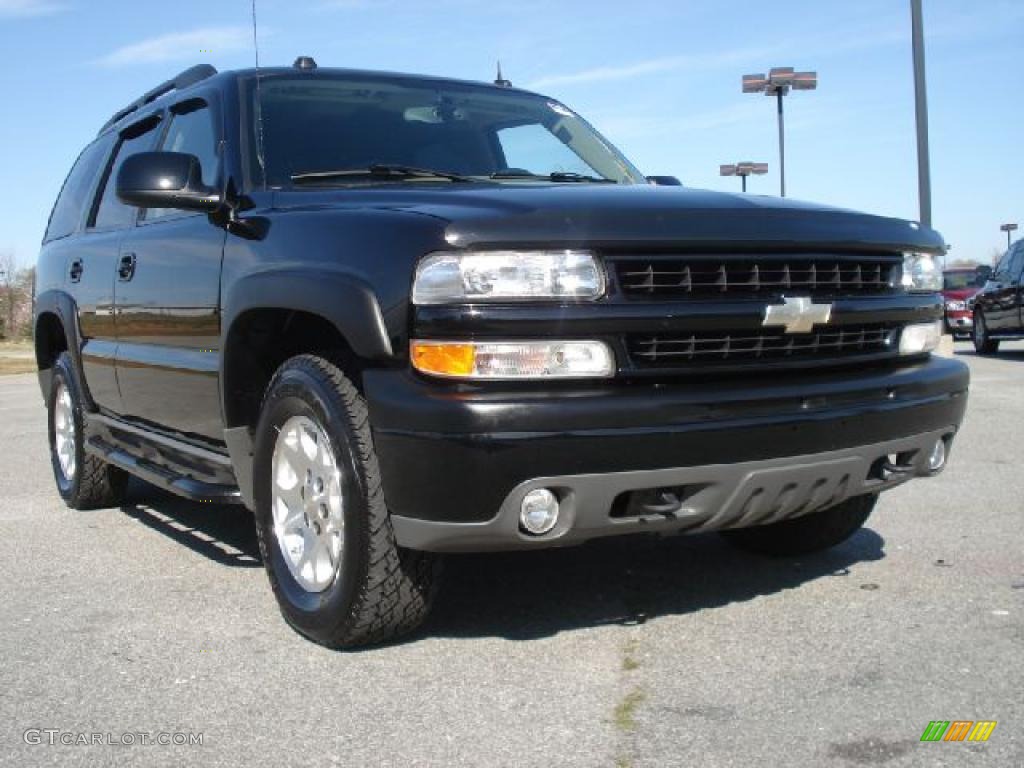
[(397, 316)]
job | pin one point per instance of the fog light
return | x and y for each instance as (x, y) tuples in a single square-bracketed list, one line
[(937, 458), (539, 511), (919, 338)]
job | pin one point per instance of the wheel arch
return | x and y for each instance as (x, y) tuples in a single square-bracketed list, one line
[(274, 315), (55, 330)]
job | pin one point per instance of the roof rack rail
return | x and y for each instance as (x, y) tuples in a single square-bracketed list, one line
[(189, 77)]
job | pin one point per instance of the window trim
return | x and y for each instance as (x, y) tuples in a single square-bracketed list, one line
[(154, 121)]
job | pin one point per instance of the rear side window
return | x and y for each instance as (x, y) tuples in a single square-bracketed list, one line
[(112, 213), (75, 195), (192, 133)]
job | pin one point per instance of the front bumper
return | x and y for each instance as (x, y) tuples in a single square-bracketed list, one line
[(960, 321), (456, 460)]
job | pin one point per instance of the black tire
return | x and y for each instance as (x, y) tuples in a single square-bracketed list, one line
[(379, 591), (94, 483), (809, 533), (983, 343)]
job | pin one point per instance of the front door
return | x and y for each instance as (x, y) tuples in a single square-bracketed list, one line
[(167, 291)]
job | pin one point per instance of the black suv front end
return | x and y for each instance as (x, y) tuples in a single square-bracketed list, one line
[(750, 385)]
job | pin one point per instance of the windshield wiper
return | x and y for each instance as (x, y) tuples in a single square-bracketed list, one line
[(555, 176), (377, 171)]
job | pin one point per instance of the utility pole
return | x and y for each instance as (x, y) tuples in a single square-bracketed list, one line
[(743, 170), (1008, 228), (778, 83), (924, 176)]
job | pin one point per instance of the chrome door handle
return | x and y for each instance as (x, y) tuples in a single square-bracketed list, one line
[(126, 268)]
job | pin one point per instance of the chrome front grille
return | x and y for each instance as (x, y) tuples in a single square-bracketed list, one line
[(703, 276), (841, 343)]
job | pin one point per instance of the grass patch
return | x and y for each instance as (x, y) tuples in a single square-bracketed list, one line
[(629, 659), (625, 710), (17, 357)]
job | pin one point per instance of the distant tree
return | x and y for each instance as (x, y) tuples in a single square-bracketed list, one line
[(8, 281), (16, 288)]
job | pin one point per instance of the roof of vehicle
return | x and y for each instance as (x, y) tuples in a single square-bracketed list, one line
[(206, 74)]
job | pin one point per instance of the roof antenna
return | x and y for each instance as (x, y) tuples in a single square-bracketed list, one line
[(501, 81), (259, 103)]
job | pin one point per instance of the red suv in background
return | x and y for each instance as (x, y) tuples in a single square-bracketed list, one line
[(958, 285)]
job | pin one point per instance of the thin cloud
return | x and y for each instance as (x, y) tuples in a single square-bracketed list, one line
[(653, 66), (23, 9), (181, 46)]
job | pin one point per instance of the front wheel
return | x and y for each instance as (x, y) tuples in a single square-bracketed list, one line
[(809, 533), (324, 530), (983, 343)]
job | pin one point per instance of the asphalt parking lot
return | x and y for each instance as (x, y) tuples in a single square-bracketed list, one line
[(157, 618)]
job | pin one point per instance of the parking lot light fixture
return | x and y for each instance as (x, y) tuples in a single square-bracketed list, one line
[(1008, 228), (743, 170), (779, 82)]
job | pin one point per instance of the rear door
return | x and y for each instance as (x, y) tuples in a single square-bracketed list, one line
[(92, 267), (167, 289)]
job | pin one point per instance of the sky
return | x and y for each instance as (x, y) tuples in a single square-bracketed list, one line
[(660, 78)]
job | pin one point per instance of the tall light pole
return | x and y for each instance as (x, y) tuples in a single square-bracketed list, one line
[(778, 83), (743, 170), (1008, 228), (924, 174)]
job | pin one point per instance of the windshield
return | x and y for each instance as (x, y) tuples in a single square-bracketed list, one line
[(320, 123), (958, 281)]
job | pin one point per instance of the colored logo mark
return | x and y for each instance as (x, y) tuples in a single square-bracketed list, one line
[(958, 730)]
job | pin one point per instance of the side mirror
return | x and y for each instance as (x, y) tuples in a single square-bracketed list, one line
[(165, 180), (664, 181)]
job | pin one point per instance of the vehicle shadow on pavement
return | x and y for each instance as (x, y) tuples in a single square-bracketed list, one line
[(527, 595), (1014, 355), (223, 533)]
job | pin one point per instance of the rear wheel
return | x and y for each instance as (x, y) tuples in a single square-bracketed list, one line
[(983, 343), (324, 530), (84, 481), (809, 533)]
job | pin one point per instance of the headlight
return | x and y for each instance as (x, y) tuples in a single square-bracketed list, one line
[(921, 273), (450, 277), (513, 359), (920, 338), (956, 306)]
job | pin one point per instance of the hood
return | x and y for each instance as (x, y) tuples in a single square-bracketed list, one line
[(614, 216)]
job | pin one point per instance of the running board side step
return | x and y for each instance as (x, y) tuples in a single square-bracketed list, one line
[(163, 477)]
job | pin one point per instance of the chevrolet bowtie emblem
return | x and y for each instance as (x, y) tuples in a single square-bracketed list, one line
[(798, 315)]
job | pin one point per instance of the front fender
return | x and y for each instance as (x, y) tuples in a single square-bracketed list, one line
[(341, 298)]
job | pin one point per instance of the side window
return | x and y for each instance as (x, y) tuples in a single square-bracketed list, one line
[(535, 149), (1016, 263), (112, 212), (1002, 270), (193, 133), (76, 194)]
